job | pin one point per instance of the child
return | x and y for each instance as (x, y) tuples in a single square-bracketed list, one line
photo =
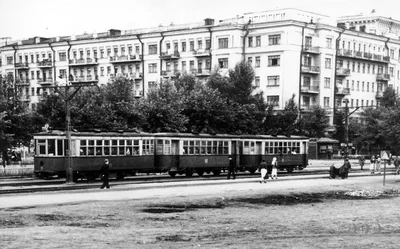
[(274, 169), (372, 164)]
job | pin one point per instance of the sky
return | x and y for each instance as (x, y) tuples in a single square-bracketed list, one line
[(22, 19)]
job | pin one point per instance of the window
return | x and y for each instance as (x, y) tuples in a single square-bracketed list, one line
[(223, 43), (362, 86), (363, 68), (62, 56), (63, 73), (372, 87), (327, 82), (183, 46), (391, 53), (358, 67), (153, 49), (258, 41), (152, 67), (329, 42), (152, 84), (199, 44), (88, 53), (367, 86), (101, 52), (326, 101), (250, 41), (191, 45), (274, 40), (391, 71), (223, 62), (258, 61), (358, 85), (208, 44), (273, 100), (250, 61), (353, 67), (108, 52), (274, 60), (257, 81), (273, 80), (10, 60), (148, 147), (32, 59), (328, 62)]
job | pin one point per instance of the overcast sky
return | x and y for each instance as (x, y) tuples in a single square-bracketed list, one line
[(21, 19)]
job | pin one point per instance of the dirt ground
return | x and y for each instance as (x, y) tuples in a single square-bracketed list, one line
[(352, 213)]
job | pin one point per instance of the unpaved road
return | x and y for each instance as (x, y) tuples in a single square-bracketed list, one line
[(317, 213)]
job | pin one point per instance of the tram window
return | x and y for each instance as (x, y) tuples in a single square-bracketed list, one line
[(252, 148), (83, 151), (83, 143), (147, 147), (41, 146), (226, 147), (91, 151), (60, 151), (91, 142), (185, 147), (51, 147), (215, 147), (106, 151), (220, 148), (114, 147), (99, 151), (209, 147), (167, 147), (246, 149), (203, 147), (191, 147), (266, 148), (159, 147), (197, 148)]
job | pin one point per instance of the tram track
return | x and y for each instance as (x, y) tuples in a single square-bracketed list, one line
[(32, 185)]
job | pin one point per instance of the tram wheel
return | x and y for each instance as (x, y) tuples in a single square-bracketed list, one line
[(252, 171), (216, 172), (120, 175), (289, 169), (189, 172), (172, 173), (200, 172)]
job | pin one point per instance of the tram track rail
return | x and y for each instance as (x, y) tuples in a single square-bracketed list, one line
[(33, 185)]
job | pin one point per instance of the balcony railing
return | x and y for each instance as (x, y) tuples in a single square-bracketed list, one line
[(169, 73), (342, 90), (85, 79), (22, 65), (379, 95), (126, 58), (170, 55), (383, 76), (310, 89), (310, 69), (22, 82), (308, 107), (44, 63), (83, 62), (363, 55), (202, 52), (343, 72), (45, 81), (311, 49)]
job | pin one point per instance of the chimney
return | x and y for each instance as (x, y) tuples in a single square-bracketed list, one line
[(208, 21)]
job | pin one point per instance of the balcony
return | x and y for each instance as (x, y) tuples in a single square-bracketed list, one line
[(310, 69), (138, 94), (202, 53), (343, 72), (308, 107), (22, 82), (383, 76), (203, 72), (83, 62), (170, 55), (44, 64), (46, 81), (22, 65), (126, 58), (311, 50), (342, 91), (310, 89), (379, 95), (363, 55), (89, 79), (169, 73)]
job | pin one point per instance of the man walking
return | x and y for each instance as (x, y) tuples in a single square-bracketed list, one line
[(263, 170), (231, 168), (105, 174)]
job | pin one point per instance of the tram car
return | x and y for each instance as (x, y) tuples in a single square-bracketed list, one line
[(176, 153)]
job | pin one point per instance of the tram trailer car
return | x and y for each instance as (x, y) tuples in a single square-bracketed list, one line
[(175, 153)]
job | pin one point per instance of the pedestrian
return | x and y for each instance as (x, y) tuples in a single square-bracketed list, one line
[(231, 168), (274, 164), (372, 164), (361, 161), (378, 164), (105, 174), (396, 161), (5, 158), (264, 172)]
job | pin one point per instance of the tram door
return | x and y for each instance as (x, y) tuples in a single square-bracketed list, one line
[(175, 157), (258, 153), (305, 153)]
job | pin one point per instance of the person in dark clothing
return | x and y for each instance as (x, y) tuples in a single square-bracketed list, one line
[(231, 169), (5, 158), (263, 170), (105, 174)]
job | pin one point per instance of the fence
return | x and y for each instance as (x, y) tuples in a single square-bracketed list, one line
[(17, 169)]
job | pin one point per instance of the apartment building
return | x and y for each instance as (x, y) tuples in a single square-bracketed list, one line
[(320, 60)]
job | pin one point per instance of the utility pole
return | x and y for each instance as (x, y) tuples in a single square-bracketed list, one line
[(346, 123), (67, 97)]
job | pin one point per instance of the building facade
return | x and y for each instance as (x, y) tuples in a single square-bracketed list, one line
[(319, 60)]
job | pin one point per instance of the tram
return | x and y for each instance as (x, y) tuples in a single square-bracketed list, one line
[(176, 153)]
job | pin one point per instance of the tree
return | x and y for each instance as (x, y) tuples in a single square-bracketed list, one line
[(283, 122), (390, 98), (315, 122)]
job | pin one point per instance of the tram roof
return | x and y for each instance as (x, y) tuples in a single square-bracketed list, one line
[(164, 134)]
